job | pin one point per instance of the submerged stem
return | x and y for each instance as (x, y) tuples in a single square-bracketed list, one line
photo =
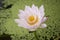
[(34, 34)]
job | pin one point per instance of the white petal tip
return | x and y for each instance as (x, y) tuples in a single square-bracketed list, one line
[(26, 6), (19, 25), (32, 29), (20, 10), (16, 20), (41, 7), (45, 18), (43, 25), (33, 5)]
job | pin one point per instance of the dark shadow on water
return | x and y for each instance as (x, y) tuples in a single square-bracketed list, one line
[(5, 37)]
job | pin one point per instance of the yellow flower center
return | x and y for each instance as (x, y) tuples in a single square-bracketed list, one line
[(32, 20)]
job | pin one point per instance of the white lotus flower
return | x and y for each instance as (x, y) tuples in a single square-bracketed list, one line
[(31, 18)]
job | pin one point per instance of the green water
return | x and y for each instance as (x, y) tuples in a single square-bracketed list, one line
[(9, 27)]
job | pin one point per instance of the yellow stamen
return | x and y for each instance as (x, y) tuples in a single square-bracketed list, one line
[(32, 20)]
